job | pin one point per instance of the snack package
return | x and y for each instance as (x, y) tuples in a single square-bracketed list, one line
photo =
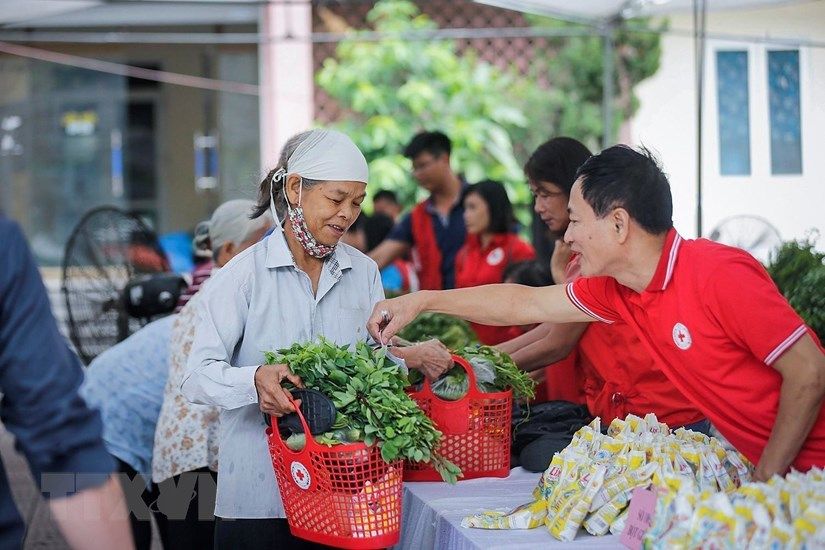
[(713, 523), (599, 522), (566, 524), (549, 478), (618, 524), (526, 516), (629, 480)]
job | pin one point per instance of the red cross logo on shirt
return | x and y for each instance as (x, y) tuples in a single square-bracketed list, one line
[(681, 336)]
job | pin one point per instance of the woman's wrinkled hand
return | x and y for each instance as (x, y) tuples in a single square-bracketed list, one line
[(431, 358), (272, 397)]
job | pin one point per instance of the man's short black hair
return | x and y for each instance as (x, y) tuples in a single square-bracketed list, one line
[(502, 219), (385, 194), (436, 143), (556, 161), (622, 177)]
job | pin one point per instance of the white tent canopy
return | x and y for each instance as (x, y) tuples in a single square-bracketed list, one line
[(603, 15), (595, 10)]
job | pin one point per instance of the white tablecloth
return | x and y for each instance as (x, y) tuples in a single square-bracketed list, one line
[(433, 513)]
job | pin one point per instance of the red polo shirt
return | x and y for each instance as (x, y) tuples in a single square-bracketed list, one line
[(620, 376), (476, 265), (714, 321)]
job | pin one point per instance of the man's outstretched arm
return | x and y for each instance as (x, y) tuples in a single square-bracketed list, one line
[(498, 305)]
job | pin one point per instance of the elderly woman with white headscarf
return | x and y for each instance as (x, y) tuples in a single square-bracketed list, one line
[(294, 286)]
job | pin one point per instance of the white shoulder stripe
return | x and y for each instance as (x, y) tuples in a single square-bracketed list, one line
[(571, 295), (787, 343), (671, 261)]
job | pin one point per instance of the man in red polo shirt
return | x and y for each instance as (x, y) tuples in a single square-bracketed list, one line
[(709, 314), (606, 363)]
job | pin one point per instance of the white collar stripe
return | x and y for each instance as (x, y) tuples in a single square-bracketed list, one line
[(671, 261), (571, 295), (787, 343)]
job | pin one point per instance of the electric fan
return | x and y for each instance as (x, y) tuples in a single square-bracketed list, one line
[(750, 233), (114, 280)]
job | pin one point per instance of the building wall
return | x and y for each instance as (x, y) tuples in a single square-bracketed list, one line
[(666, 123), (180, 113)]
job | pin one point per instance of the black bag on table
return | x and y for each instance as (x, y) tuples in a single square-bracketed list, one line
[(542, 430)]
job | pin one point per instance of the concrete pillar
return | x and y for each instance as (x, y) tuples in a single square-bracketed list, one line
[(286, 79)]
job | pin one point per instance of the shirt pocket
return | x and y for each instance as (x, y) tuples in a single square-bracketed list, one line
[(352, 324)]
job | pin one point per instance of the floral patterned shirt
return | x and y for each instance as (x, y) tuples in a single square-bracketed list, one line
[(186, 437)]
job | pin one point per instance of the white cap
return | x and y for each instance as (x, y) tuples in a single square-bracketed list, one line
[(230, 223)]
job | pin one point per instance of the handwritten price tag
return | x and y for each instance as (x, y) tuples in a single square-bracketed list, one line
[(639, 518)]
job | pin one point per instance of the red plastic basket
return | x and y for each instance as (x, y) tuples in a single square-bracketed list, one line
[(476, 430), (344, 496)]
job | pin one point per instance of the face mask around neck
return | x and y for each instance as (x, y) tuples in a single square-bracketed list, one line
[(302, 233)]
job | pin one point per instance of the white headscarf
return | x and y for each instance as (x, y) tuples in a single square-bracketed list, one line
[(325, 155)]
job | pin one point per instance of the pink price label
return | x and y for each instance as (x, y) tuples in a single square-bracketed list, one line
[(639, 518)]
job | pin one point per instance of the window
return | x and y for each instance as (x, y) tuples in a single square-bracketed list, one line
[(734, 118), (783, 101)]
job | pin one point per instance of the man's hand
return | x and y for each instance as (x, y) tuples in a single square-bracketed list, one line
[(272, 398), (390, 316), (431, 358)]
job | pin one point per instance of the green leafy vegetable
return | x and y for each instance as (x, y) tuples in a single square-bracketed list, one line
[(453, 332), (495, 371), (508, 375), (368, 392)]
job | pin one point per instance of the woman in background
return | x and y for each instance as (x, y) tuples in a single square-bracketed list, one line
[(492, 244)]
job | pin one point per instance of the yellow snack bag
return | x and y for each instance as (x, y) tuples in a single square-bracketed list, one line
[(624, 482), (616, 427), (781, 534), (654, 426), (549, 478), (599, 522), (618, 524), (723, 479), (526, 516), (741, 464), (713, 523), (567, 523)]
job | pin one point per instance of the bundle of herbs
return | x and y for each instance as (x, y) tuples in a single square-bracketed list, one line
[(494, 370), (453, 332), (368, 392)]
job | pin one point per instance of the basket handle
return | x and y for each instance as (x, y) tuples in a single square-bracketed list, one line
[(472, 384), (309, 439)]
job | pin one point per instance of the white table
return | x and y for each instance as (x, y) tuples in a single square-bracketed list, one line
[(433, 513)]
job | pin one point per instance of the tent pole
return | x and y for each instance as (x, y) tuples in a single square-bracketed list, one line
[(699, 24), (607, 83)]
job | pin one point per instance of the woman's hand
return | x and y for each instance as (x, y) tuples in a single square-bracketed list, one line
[(272, 397), (431, 358), (559, 260)]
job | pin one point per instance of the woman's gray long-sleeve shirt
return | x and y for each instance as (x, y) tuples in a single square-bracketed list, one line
[(260, 301)]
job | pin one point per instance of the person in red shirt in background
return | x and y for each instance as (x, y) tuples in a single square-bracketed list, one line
[(491, 246), (605, 367), (709, 314)]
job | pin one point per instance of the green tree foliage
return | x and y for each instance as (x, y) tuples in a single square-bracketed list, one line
[(799, 272), (393, 88), (571, 69)]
